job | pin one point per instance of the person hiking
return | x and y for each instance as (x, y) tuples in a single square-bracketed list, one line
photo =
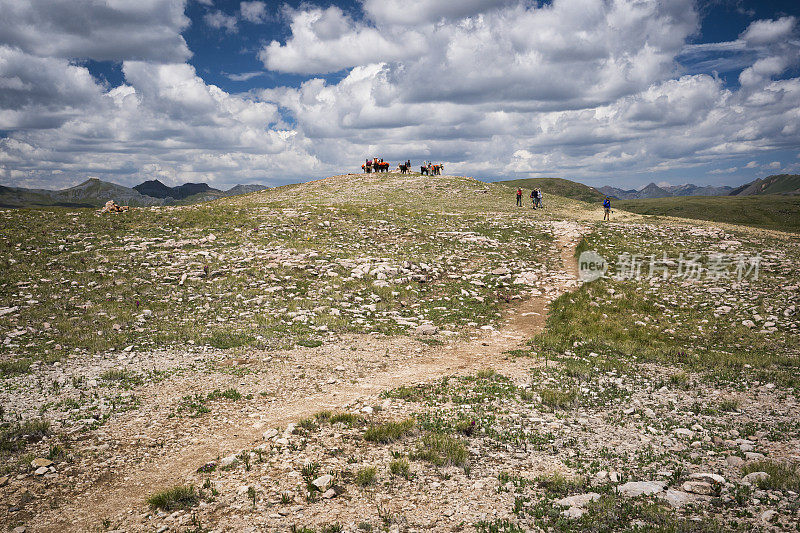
[(519, 197), (533, 198), (607, 208), (539, 197)]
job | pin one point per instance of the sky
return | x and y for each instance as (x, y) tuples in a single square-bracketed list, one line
[(605, 92)]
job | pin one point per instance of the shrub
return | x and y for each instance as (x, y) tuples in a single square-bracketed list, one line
[(366, 476), (390, 431), (179, 497)]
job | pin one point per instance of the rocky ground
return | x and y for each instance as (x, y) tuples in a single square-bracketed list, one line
[(394, 353)]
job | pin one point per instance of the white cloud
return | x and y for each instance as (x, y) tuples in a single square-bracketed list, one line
[(409, 12), (255, 12), (762, 32), (244, 76), (327, 40), (774, 164), (579, 88), (219, 20), (115, 30), (729, 170)]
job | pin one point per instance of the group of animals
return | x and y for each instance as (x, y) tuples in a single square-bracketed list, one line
[(379, 165)]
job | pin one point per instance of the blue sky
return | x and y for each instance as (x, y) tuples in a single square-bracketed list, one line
[(617, 92)]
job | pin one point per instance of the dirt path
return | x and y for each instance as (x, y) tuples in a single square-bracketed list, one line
[(126, 491)]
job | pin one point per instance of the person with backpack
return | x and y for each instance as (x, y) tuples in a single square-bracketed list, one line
[(533, 198), (607, 208), (539, 197), (519, 197)]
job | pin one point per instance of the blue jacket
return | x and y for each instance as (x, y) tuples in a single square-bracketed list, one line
[(607, 203)]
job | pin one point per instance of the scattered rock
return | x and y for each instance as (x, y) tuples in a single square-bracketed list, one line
[(578, 500), (769, 515), (708, 478), (41, 462), (698, 487), (734, 460), (755, 477), (637, 488), (427, 329), (323, 481)]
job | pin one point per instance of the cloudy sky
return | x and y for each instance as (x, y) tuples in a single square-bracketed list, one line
[(620, 92)]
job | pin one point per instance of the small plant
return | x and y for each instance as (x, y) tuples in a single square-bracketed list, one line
[(244, 457), (252, 494), (180, 497), (114, 375), (781, 476), (389, 431), (230, 394), (310, 470), (333, 528), (366, 476), (365, 526), (558, 399), (348, 419), (401, 468), (286, 498), (307, 424), (729, 405), (301, 529), (441, 450)]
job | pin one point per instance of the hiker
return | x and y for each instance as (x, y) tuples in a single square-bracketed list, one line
[(533, 198), (519, 197), (539, 197), (607, 208)]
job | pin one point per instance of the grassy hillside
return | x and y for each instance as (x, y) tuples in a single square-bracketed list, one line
[(560, 187), (771, 212), (777, 184), (265, 269)]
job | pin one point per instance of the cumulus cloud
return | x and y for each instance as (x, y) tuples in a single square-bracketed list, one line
[(409, 12), (328, 40), (148, 30), (762, 32), (219, 20), (255, 12), (579, 88)]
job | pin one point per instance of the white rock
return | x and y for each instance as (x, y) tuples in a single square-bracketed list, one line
[(698, 487), (323, 481), (578, 500), (768, 516), (708, 478), (426, 329), (755, 477), (268, 434), (227, 461), (637, 488)]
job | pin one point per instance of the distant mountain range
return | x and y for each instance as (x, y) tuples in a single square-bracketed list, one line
[(654, 191), (94, 193), (777, 184)]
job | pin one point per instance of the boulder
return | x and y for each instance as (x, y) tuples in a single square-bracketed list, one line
[(426, 329), (755, 477), (708, 478), (637, 488), (578, 500), (698, 487), (323, 481)]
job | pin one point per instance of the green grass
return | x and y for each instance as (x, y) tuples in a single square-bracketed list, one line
[(441, 450), (16, 436), (557, 186), (179, 497), (14, 367), (558, 399), (389, 431), (770, 212), (782, 476), (366, 476), (400, 468)]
